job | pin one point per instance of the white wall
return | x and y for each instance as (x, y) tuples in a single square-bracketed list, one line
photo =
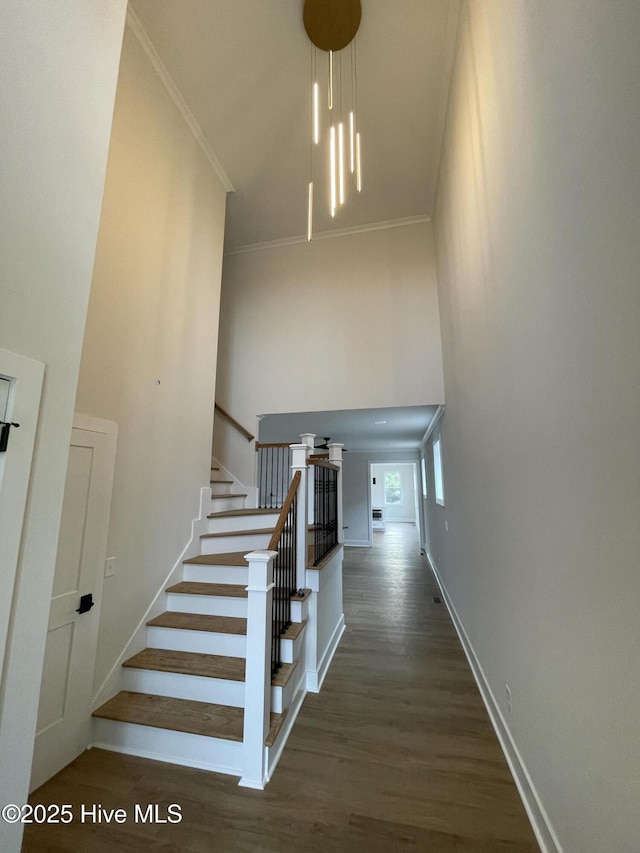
[(537, 226), (149, 356), (59, 65), (315, 327), (356, 493)]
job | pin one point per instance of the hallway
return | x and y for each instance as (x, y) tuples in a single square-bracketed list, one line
[(396, 753)]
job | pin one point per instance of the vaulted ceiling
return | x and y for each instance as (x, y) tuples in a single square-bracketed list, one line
[(244, 69)]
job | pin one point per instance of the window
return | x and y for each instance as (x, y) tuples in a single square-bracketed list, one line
[(392, 487), (437, 472)]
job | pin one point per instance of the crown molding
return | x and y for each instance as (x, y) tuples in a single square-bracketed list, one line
[(147, 45), (328, 235), (435, 420)]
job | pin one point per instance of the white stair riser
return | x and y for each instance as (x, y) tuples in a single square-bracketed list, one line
[(201, 642), (221, 488), (221, 503), (260, 521), (181, 686), (281, 696), (224, 544), (291, 649), (299, 610), (216, 574), (211, 605), (223, 756)]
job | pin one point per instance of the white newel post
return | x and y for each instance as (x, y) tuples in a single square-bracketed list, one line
[(257, 706), (299, 455), (335, 457), (308, 438)]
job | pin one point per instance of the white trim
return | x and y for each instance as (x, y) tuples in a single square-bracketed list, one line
[(138, 639), (357, 543), (538, 817), (435, 420), (327, 235), (90, 424), (283, 734), (315, 679), (26, 376), (438, 471), (141, 34)]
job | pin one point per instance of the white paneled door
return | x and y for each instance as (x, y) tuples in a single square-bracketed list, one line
[(64, 716)]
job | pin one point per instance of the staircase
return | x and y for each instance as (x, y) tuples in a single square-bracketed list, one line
[(184, 696)]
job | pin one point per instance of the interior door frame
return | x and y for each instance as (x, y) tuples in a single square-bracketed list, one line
[(26, 376), (416, 479), (109, 429)]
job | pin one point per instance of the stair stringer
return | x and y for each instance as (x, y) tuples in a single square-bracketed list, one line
[(274, 753), (251, 501), (112, 684)]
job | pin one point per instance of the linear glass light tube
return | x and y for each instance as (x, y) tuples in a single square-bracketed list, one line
[(310, 213), (352, 143), (341, 160), (316, 118), (332, 168), (358, 164), (330, 79)]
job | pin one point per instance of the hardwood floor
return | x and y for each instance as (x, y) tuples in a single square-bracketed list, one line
[(395, 754)]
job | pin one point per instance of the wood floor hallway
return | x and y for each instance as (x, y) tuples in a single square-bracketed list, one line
[(395, 754)]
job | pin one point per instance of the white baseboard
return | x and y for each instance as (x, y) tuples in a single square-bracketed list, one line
[(538, 817), (138, 639), (357, 543), (316, 678)]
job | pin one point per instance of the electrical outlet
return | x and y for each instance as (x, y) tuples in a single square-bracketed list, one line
[(109, 567), (446, 526), (509, 704)]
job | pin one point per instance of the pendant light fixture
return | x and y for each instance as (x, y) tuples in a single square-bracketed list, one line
[(332, 26)]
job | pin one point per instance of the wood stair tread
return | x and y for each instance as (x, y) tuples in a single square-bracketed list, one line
[(231, 558), (296, 597), (189, 663), (225, 482), (230, 590), (276, 722), (293, 631), (229, 495), (200, 622), (230, 513), (265, 530), (180, 715), (283, 675)]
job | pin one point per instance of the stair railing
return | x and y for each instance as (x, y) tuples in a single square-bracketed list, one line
[(234, 423), (325, 502), (273, 474), (284, 540)]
